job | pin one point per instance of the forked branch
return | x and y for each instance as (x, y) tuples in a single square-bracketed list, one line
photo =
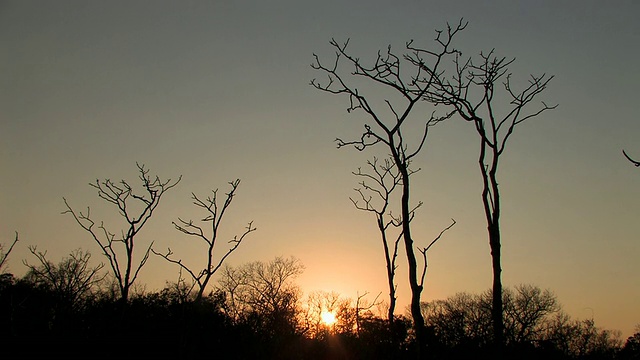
[(424, 250)]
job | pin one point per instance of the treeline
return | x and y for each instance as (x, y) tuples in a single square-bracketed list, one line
[(68, 310)]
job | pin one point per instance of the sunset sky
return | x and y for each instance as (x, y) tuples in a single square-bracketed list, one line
[(219, 90)]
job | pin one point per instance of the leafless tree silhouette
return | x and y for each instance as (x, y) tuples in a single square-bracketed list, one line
[(473, 90), (5, 255), (363, 306), (386, 123), (264, 291), (136, 209), (375, 191), (73, 279), (214, 216)]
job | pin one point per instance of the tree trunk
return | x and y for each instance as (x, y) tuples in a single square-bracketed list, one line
[(124, 295), (495, 243), (416, 289), (491, 203), (496, 310), (390, 273)]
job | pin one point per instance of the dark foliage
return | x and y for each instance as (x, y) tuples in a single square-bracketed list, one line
[(171, 324)]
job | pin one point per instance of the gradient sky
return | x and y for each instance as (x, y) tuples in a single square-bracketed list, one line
[(218, 90)]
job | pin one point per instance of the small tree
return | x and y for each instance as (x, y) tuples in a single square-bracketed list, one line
[(214, 216), (473, 91), (136, 209), (71, 281), (5, 255), (631, 349), (460, 320), (375, 196), (319, 304), (582, 339), (464, 320), (363, 309), (388, 121), (263, 294), (526, 309)]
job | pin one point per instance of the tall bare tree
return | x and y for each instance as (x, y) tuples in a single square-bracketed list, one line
[(136, 208), (214, 216), (481, 92), (387, 120)]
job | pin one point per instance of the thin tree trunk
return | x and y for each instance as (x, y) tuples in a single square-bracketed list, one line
[(496, 310), (491, 202), (416, 289), (390, 274)]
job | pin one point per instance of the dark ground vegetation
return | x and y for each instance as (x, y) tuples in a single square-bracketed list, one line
[(39, 321)]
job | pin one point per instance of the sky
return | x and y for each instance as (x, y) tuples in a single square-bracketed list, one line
[(219, 90)]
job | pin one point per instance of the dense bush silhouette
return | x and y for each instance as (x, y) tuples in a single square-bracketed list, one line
[(535, 327), (172, 323)]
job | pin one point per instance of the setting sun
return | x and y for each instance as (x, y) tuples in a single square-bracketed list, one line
[(328, 318)]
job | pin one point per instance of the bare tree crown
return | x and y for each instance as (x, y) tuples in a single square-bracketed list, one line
[(214, 212), (136, 209)]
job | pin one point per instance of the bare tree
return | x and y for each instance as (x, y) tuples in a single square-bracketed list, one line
[(526, 308), (387, 122), (72, 280), (530, 313), (460, 319), (136, 209), (322, 302), (473, 90), (214, 216), (363, 307), (582, 339), (263, 290), (5, 255), (375, 196)]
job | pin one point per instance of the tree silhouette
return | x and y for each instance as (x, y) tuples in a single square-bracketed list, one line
[(319, 302), (473, 91), (214, 216), (263, 295), (526, 308), (72, 280), (136, 209), (534, 323), (375, 195), (388, 121), (631, 349), (4, 255)]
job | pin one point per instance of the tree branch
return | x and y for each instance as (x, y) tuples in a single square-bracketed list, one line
[(424, 250)]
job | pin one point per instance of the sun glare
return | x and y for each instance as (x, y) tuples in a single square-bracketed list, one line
[(328, 318)]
